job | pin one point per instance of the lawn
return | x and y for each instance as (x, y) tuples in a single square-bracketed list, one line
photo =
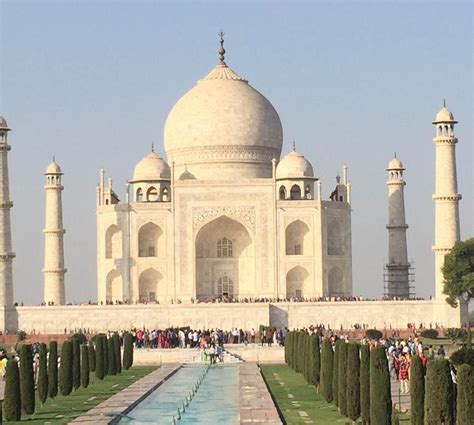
[(305, 399), (64, 409)]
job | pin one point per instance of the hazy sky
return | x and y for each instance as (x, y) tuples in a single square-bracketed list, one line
[(92, 82)]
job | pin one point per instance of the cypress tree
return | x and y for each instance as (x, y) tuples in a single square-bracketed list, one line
[(76, 363), (438, 393), (105, 347), (308, 357), (342, 379), (111, 353), (465, 397), (353, 381), (327, 358), (99, 357), (316, 371), (417, 391), (85, 368), (127, 351), (12, 400), (91, 357), (42, 374), (27, 380), (365, 384), (53, 369), (118, 354), (286, 348), (65, 369), (335, 373), (380, 392)]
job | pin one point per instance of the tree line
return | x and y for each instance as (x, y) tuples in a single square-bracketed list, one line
[(62, 374), (356, 379)]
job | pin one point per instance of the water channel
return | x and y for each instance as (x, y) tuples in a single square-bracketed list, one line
[(213, 401)]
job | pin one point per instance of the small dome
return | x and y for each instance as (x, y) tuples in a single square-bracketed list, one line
[(186, 175), (294, 165), (151, 168), (395, 164), (3, 124), (53, 168), (444, 115)]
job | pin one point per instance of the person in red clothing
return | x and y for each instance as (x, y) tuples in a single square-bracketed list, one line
[(424, 359), (404, 377)]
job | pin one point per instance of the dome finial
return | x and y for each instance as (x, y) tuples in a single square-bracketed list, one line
[(221, 50), (395, 154), (444, 103), (152, 147), (294, 146)]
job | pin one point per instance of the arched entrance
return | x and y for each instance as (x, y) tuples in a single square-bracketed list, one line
[(148, 286), (296, 282), (225, 260), (113, 286)]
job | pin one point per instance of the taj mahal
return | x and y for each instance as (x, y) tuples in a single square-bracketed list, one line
[(228, 230)]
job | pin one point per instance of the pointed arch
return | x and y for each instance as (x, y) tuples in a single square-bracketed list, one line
[(336, 282), (113, 242), (297, 239), (148, 237), (335, 243), (295, 192), (297, 280), (282, 192), (113, 286), (149, 285), (152, 194), (139, 195)]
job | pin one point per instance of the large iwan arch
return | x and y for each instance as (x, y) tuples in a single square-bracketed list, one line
[(113, 242), (298, 239), (224, 252), (297, 282)]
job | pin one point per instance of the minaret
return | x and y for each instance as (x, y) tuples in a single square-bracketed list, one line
[(53, 238), (6, 254), (397, 266), (446, 196)]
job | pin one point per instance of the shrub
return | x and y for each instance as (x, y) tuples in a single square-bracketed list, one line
[(12, 401), (465, 396), (85, 368), (417, 391), (456, 333), (315, 353), (118, 354), (430, 333), (91, 357), (65, 369), (300, 352), (327, 366), (353, 381), (42, 374), (365, 384), (463, 356), (373, 334), (76, 363), (286, 348), (380, 393), (308, 365), (127, 351), (342, 379), (111, 353), (20, 336), (335, 373), (27, 380), (438, 393), (99, 357), (53, 369), (105, 347), (80, 337)]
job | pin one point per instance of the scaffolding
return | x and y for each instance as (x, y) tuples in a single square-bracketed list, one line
[(395, 278)]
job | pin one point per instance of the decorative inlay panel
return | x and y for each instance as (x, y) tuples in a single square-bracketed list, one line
[(203, 215)]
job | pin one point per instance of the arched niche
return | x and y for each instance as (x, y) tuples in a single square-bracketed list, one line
[(336, 282), (149, 289), (113, 242), (148, 238), (298, 239), (335, 243), (113, 286), (297, 280)]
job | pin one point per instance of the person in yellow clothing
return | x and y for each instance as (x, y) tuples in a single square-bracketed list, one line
[(3, 365)]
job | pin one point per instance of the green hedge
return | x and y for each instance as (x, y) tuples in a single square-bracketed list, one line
[(327, 366), (85, 368), (118, 354), (53, 369), (105, 347), (335, 373), (27, 380), (417, 391), (365, 384), (112, 360), (380, 393), (438, 393), (353, 381), (91, 350), (12, 400), (465, 396), (76, 363), (43, 374), (99, 357), (342, 379), (127, 351), (65, 369)]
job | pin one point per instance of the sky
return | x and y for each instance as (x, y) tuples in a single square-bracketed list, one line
[(92, 82)]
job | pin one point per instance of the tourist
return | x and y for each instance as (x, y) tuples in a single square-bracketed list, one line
[(404, 377), (252, 336), (441, 352)]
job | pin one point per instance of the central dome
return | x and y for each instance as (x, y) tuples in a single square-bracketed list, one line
[(222, 129)]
